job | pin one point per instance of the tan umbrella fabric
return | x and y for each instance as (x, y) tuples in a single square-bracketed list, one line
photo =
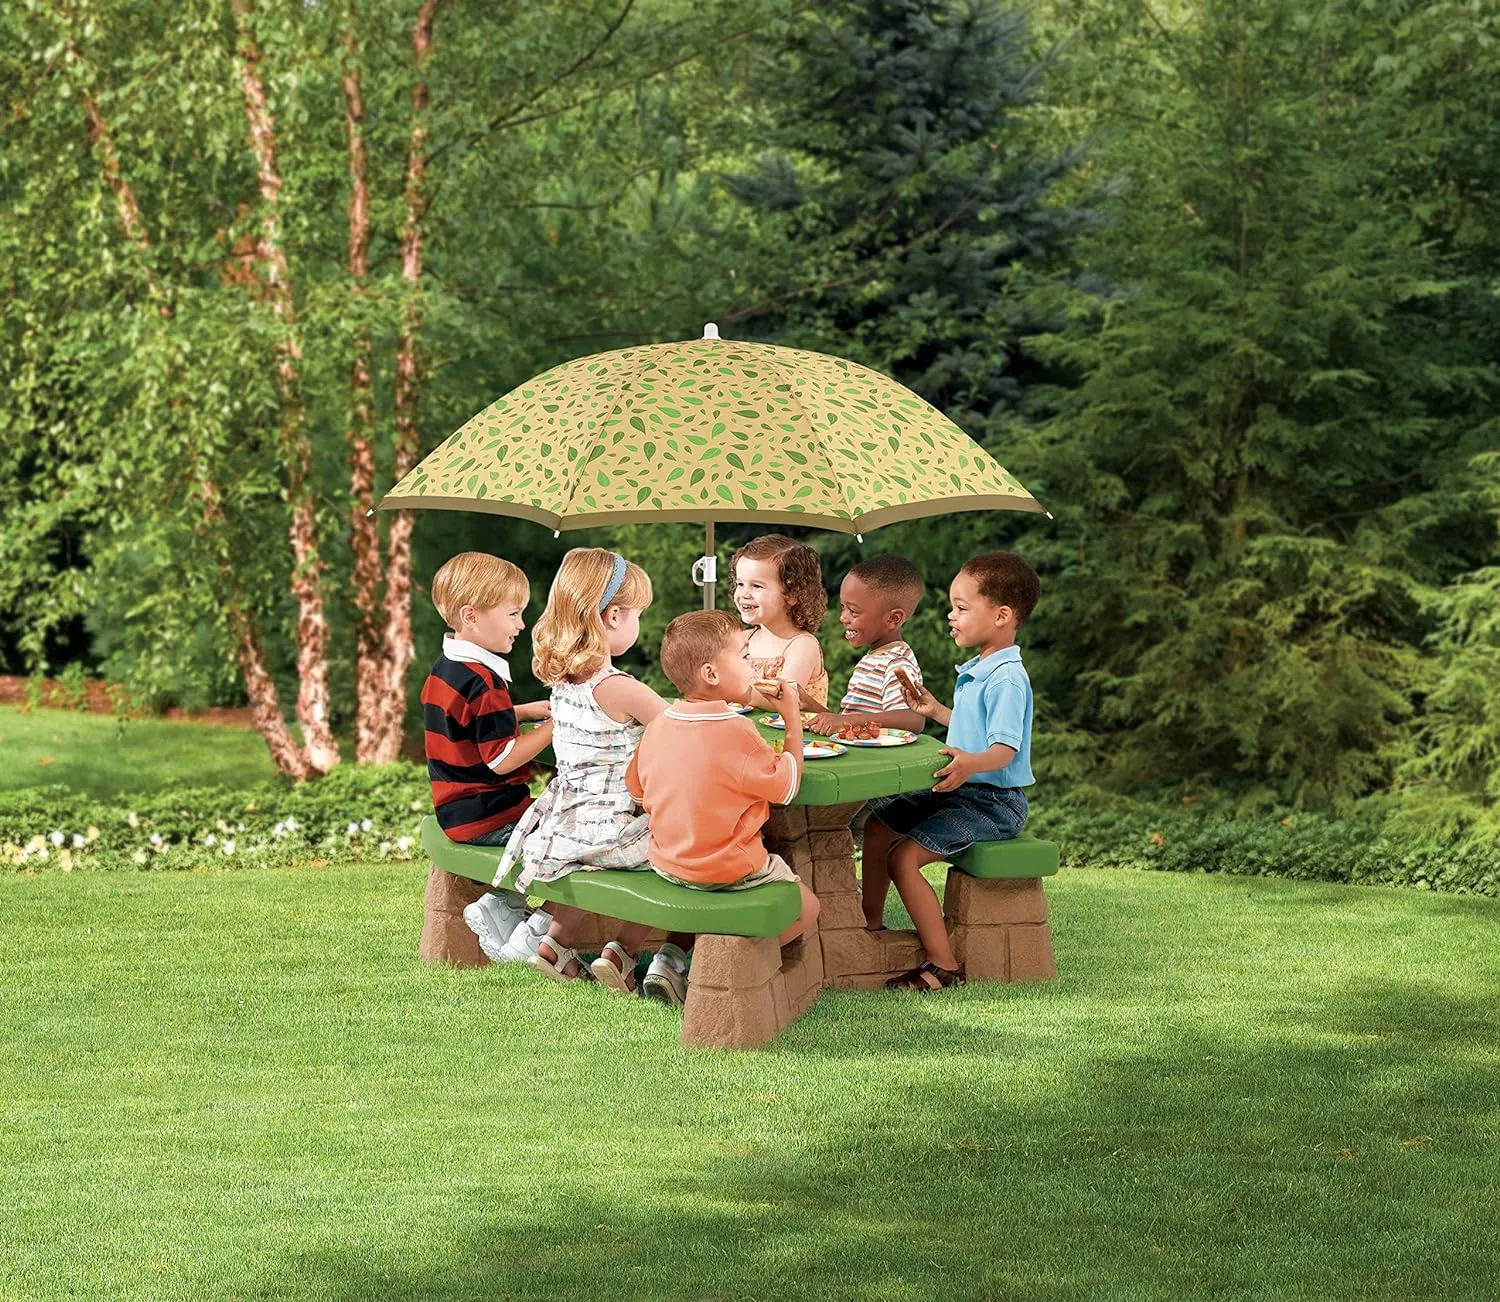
[(707, 430)]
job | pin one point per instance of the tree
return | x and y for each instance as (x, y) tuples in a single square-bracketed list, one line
[(1259, 479), (270, 364)]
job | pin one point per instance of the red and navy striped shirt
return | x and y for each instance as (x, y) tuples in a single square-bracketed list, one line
[(471, 727)]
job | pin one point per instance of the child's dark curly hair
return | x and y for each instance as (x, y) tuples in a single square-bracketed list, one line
[(800, 572), (1005, 579)]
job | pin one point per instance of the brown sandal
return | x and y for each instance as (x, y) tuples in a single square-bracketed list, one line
[(927, 979)]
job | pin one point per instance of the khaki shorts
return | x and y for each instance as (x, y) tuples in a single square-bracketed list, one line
[(776, 870)]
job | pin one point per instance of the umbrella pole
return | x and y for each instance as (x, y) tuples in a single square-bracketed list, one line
[(708, 550)]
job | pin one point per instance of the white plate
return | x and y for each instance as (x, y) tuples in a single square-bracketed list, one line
[(820, 749), (888, 736)]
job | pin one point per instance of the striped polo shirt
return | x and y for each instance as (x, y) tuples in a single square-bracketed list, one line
[(471, 727), (873, 687)]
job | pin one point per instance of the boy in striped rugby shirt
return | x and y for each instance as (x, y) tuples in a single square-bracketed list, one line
[(875, 600), (477, 757)]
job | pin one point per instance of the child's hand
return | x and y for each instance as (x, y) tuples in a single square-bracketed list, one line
[(533, 710), (963, 765), (917, 696)]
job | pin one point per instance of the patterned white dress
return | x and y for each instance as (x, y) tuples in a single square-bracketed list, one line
[(585, 819)]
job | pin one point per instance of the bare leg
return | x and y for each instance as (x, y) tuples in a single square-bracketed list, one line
[(875, 876), (805, 919), (921, 900), (565, 926)]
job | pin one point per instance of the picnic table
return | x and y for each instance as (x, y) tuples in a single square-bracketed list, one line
[(995, 906), (744, 987)]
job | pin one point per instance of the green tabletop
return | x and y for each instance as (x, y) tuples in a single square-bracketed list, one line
[(863, 772)]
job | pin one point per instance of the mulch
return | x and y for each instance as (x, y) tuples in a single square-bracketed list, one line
[(99, 700)]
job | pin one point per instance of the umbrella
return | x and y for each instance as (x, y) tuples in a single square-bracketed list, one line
[(707, 430)]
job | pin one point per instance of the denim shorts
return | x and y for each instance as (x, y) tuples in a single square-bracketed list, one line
[(948, 822)]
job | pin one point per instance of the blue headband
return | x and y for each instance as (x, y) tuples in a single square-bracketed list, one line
[(616, 580)]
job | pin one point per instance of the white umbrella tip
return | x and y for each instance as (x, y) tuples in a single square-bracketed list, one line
[(1050, 516), (710, 331)]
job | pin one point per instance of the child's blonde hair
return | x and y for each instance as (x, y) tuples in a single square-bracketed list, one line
[(568, 642), (480, 580), (692, 641)]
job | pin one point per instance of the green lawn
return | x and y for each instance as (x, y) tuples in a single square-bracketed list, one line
[(244, 1085), (97, 754)]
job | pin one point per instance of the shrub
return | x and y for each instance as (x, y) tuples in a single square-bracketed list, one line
[(355, 813), (1377, 843)]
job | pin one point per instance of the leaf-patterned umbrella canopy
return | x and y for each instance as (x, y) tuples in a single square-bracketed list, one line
[(711, 429)]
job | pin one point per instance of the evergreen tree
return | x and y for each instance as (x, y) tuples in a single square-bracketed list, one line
[(901, 207), (1260, 480)]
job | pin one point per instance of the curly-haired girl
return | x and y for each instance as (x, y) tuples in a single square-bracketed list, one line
[(778, 589)]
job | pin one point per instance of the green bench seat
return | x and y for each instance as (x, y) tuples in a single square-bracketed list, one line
[(641, 897), (1024, 856)]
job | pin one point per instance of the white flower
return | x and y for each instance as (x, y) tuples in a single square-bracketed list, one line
[(36, 843), (210, 839), (351, 829), (132, 819), (57, 838), (139, 856), (92, 834), (404, 843), (291, 823), (385, 847), (365, 825), (78, 841), (42, 854), (222, 825), (155, 838), (228, 846)]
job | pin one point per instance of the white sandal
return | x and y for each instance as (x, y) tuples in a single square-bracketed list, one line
[(617, 976), (555, 969)]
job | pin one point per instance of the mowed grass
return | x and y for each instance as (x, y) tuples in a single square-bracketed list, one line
[(244, 1085), (105, 757)]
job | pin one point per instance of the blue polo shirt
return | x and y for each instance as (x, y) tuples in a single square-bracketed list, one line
[(992, 706)]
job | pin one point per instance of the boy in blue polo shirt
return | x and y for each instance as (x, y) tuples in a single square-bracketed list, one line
[(978, 796)]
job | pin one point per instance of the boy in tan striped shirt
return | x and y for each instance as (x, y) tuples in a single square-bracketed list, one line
[(875, 600)]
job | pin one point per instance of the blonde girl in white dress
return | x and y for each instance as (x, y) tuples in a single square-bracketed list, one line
[(586, 819)]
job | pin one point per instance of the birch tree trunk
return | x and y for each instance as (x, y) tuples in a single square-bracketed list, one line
[(265, 703), (307, 584), (364, 540), (408, 442)]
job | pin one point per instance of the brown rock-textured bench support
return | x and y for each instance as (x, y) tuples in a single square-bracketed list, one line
[(746, 990), (997, 912), (446, 937), (999, 928)]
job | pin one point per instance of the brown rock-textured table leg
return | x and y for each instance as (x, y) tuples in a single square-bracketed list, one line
[(446, 938), (817, 843), (1000, 928)]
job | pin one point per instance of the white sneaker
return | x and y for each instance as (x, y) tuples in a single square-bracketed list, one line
[(520, 946), (492, 917), (666, 978)]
